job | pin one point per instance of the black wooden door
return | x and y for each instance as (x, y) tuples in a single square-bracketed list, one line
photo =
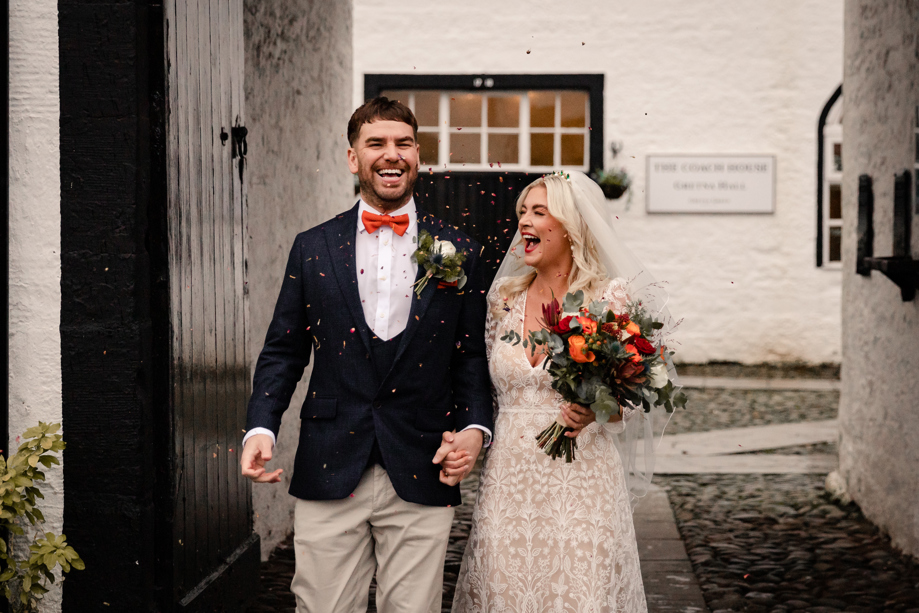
[(481, 204), (206, 512)]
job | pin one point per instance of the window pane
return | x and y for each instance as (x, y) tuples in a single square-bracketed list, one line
[(574, 110), (429, 152), (835, 202), (465, 148), (466, 111), (542, 110), (396, 95), (502, 148), (836, 244), (541, 149), (572, 149), (837, 157), (426, 108), (504, 111)]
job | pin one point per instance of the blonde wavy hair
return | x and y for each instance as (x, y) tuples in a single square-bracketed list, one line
[(587, 272)]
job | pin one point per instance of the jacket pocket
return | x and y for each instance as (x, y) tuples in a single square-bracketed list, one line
[(319, 408)]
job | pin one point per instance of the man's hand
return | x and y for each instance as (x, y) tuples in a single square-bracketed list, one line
[(255, 454), (457, 453)]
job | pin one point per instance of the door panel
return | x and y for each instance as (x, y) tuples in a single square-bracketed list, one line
[(210, 502)]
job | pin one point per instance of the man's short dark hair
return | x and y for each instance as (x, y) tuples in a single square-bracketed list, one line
[(380, 109)]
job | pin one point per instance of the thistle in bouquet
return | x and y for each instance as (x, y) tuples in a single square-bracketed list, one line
[(440, 260), (600, 359)]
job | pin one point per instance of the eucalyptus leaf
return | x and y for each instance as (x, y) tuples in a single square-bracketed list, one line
[(572, 302), (597, 308)]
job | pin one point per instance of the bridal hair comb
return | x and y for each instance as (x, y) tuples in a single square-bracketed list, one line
[(560, 173)]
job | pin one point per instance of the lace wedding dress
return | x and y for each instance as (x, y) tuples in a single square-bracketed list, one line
[(547, 536)]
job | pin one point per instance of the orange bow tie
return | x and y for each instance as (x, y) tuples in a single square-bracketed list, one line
[(372, 222)]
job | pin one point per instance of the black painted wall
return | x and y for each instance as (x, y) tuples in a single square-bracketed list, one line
[(113, 312)]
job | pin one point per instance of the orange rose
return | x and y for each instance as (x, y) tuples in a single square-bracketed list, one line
[(635, 357), (588, 325), (576, 344), (633, 329)]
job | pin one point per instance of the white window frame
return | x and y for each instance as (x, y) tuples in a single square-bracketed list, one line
[(444, 131), (832, 135)]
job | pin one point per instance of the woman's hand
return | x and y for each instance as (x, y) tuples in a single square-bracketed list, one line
[(577, 417)]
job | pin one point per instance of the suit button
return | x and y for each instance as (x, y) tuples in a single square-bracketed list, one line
[(377, 404)]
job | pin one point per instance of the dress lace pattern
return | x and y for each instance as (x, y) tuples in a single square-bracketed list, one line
[(547, 536)]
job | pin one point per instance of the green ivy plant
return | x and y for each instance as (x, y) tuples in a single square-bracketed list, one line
[(24, 581)]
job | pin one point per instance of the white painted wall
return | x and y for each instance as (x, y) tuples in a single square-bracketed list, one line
[(298, 102), (35, 239), (878, 417), (704, 77)]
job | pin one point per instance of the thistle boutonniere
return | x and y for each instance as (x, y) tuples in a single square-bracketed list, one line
[(439, 259)]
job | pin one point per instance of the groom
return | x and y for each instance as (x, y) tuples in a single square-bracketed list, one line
[(394, 374)]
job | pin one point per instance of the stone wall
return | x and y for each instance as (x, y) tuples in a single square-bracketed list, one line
[(35, 238), (702, 77), (879, 421), (298, 101)]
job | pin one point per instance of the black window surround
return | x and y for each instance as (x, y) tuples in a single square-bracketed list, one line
[(591, 83)]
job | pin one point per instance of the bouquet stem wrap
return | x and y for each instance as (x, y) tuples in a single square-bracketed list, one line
[(554, 441)]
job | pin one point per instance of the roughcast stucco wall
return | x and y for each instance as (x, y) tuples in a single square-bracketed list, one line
[(298, 101), (35, 238), (701, 77), (879, 420)]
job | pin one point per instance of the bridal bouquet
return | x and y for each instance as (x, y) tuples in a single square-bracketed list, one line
[(600, 359)]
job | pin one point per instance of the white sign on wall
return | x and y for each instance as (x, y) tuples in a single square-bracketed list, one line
[(711, 184)]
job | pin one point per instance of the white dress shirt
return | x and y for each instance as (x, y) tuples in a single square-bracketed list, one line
[(385, 275), (385, 271)]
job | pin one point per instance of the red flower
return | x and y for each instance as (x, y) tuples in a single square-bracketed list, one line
[(643, 346), (563, 326)]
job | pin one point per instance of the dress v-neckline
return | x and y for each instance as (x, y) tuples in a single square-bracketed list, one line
[(523, 326)]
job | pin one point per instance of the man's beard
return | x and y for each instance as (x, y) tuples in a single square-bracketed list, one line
[(387, 203)]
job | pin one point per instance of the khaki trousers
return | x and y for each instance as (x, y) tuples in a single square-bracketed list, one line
[(339, 543)]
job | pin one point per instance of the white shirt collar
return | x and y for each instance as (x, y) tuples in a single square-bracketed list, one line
[(406, 209)]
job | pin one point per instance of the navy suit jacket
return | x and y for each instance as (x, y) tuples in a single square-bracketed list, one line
[(439, 379)]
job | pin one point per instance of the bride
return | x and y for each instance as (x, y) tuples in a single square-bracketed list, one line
[(546, 535)]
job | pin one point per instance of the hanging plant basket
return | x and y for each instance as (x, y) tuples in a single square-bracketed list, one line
[(613, 191), (613, 182)]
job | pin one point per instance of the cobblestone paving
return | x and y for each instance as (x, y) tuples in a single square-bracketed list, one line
[(778, 543), (761, 371), (717, 409)]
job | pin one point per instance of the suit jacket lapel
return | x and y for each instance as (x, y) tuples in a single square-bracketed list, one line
[(421, 303), (340, 239)]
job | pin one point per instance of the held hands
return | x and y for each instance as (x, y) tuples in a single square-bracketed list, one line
[(255, 454), (457, 453)]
